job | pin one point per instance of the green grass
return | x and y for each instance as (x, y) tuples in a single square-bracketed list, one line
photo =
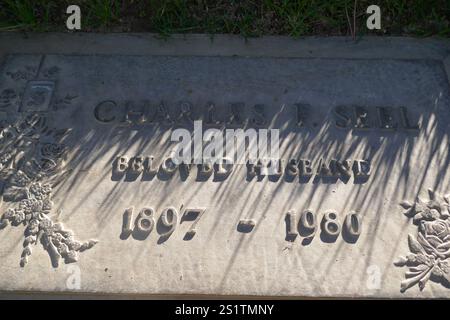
[(248, 18)]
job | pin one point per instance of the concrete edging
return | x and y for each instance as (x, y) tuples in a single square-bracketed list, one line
[(224, 45)]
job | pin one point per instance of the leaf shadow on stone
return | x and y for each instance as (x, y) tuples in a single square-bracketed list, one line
[(416, 158)]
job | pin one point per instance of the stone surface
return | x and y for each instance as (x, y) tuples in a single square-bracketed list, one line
[(70, 117)]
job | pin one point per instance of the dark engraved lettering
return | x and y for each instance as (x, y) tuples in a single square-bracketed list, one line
[(135, 113), (405, 120), (306, 169), (361, 118), (186, 112), (235, 116), (361, 168), (323, 169), (386, 119), (106, 111), (162, 114), (292, 167), (301, 110), (343, 121), (259, 118), (211, 115)]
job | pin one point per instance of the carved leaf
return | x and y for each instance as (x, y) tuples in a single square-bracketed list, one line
[(3, 223), (417, 217), (406, 204), (87, 245), (26, 251), (23, 261), (14, 194), (400, 262), (61, 134), (29, 240), (54, 254), (414, 245), (431, 194)]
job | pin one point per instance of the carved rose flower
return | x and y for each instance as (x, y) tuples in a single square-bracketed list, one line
[(436, 228), (433, 236), (52, 150)]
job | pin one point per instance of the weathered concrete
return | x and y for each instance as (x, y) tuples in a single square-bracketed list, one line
[(103, 88)]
